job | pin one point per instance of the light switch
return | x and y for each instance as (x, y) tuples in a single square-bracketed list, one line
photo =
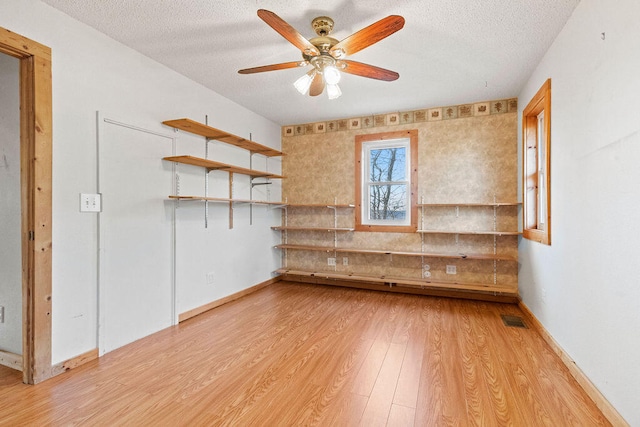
[(90, 202)]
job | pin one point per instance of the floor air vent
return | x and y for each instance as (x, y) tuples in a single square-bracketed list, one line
[(513, 321)]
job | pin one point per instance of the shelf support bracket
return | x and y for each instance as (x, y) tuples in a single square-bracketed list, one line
[(206, 177), (230, 201), (335, 233)]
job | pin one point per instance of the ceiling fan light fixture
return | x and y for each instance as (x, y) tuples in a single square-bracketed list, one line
[(333, 91), (331, 75), (304, 83)]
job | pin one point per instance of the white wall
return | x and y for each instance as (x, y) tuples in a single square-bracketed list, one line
[(94, 73), (10, 242), (585, 287)]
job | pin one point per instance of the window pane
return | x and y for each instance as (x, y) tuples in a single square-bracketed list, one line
[(387, 164), (542, 161), (388, 201)]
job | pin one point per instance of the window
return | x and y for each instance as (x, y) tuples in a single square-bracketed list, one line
[(386, 181), (536, 142)]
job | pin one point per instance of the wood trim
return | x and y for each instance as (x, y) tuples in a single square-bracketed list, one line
[(11, 360), (592, 391), (213, 304), (36, 194), (413, 138), (74, 362), (541, 101), (21, 47)]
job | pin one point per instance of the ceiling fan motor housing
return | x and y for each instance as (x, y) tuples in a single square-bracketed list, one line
[(322, 25)]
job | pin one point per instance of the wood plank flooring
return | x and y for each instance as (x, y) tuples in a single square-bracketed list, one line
[(297, 354)]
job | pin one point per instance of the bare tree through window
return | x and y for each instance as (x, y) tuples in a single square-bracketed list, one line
[(388, 187)]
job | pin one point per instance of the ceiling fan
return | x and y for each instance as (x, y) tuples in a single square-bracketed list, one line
[(327, 54)]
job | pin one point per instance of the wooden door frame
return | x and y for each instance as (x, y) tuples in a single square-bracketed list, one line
[(35, 188)]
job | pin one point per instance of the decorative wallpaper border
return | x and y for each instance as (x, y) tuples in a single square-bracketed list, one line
[(390, 119)]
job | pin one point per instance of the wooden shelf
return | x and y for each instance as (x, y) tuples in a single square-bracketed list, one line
[(488, 233), (214, 165), (490, 289), (282, 228), (398, 253), (209, 132), (318, 205), (469, 204), (222, 200)]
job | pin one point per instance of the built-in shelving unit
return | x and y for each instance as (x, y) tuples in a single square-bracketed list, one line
[(211, 133), (493, 291)]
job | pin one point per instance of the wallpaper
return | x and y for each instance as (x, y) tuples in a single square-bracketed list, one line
[(466, 154)]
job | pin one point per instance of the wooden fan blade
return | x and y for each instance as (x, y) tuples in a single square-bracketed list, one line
[(368, 36), (317, 85), (288, 32), (273, 67), (370, 71)]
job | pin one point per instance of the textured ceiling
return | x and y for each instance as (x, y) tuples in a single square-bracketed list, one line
[(449, 51)]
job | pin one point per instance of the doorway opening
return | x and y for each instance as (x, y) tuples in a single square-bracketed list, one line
[(35, 201)]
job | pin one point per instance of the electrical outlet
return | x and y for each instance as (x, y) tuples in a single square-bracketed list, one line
[(1, 314), (331, 261), (210, 278), (451, 269), (345, 260), (425, 271)]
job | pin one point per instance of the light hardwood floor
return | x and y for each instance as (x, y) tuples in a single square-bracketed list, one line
[(297, 354)]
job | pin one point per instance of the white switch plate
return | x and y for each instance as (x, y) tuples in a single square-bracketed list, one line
[(451, 269), (90, 202), (331, 261)]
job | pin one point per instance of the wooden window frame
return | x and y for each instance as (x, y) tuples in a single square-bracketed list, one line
[(412, 135), (36, 195), (532, 228)]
